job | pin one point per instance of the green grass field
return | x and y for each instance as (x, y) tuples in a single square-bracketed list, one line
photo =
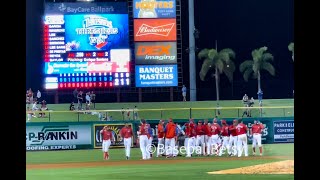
[(159, 168), (171, 110)]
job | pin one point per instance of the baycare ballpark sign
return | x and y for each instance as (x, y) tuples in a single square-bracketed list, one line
[(155, 30)]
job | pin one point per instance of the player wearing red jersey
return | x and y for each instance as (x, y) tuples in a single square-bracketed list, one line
[(215, 132), (225, 138), (242, 130), (171, 137), (233, 140), (207, 136), (107, 138), (126, 134), (160, 137), (200, 138), (256, 136), (143, 139), (192, 137)]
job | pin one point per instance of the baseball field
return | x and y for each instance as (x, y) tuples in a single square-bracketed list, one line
[(276, 162), (89, 165)]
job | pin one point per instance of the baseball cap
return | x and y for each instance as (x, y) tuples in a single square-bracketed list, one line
[(234, 120), (215, 120), (223, 121), (199, 121)]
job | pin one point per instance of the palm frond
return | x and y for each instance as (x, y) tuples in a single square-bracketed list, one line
[(206, 66), (267, 57), (203, 53), (247, 73), (246, 65), (268, 67), (212, 54), (228, 73), (218, 63), (227, 54), (291, 47), (230, 66)]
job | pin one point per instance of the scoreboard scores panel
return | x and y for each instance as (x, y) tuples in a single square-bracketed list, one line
[(88, 49)]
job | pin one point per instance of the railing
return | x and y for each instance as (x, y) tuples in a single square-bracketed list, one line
[(163, 113)]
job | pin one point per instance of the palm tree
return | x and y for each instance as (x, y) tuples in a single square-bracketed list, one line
[(291, 48), (261, 61), (220, 62)]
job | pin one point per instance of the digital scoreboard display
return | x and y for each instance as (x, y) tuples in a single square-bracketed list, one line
[(86, 45)]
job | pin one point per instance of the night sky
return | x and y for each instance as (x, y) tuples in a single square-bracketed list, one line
[(241, 25)]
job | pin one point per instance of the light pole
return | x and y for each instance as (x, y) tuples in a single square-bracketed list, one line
[(192, 47)]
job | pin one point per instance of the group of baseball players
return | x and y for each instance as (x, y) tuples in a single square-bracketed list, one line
[(201, 139)]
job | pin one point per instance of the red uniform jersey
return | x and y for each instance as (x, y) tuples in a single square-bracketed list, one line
[(192, 130), (207, 130), (225, 130), (106, 134), (257, 128), (126, 132), (144, 129), (200, 130), (160, 131), (187, 130), (233, 130), (170, 130), (241, 129), (215, 129)]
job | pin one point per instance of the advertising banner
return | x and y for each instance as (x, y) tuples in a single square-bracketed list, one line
[(156, 76), (58, 137), (283, 131), (155, 30), (156, 52), (118, 141), (154, 8)]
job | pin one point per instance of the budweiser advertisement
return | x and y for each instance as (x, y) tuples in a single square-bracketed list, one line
[(155, 30), (156, 52)]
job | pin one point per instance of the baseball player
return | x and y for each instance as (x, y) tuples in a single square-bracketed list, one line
[(207, 137), (171, 137), (150, 138), (215, 131), (143, 138), (256, 136), (242, 130), (179, 132), (160, 137), (126, 133), (225, 137), (186, 129), (191, 139), (107, 138), (200, 137), (233, 140)]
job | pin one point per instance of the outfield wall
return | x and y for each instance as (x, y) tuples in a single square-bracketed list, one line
[(85, 135)]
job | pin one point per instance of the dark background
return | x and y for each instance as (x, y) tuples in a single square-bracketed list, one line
[(240, 25)]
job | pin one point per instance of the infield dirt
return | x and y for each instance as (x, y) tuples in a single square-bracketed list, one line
[(281, 167)]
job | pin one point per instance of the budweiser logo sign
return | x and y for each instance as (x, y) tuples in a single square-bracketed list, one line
[(163, 30)]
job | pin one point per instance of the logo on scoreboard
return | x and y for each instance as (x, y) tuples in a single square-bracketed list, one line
[(151, 30), (96, 32), (156, 52)]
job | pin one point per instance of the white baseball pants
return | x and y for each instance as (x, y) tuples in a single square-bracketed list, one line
[(127, 145), (225, 145), (170, 146), (256, 139), (105, 145), (242, 145), (200, 142), (143, 141), (160, 148)]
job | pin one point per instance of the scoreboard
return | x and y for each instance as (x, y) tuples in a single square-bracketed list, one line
[(86, 45)]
